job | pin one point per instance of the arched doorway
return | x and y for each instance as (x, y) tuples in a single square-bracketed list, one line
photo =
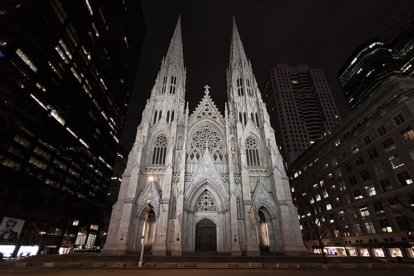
[(206, 236), (149, 231), (263, 232)]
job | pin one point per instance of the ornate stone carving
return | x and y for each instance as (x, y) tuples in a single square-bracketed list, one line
[(206, 202)]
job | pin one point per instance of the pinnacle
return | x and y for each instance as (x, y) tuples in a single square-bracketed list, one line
[(175, 50), (237, 54)]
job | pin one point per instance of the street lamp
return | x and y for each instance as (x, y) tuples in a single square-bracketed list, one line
[(147, 208)]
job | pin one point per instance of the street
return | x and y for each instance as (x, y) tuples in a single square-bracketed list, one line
[(201, 272)]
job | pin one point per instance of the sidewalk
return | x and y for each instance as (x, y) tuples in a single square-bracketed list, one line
[(96, 260)]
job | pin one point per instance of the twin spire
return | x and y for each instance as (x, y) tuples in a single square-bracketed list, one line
[(175, 50)]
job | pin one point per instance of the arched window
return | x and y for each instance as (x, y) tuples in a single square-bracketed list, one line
[(164, 85), (252, 152), (160, 150), (249, 89), (240, 87), (155, 116), (257, 120), (172, 85)]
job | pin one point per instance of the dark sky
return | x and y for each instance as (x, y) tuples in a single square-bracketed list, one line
[(321, 33)]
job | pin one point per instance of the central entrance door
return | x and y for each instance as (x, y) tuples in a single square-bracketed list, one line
[(206, 236)]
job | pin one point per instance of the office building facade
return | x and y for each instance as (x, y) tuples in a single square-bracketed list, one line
[(357, 183), (67, 69), (301, 107), (375, 61)]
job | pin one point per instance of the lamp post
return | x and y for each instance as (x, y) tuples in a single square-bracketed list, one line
[(147, 208)]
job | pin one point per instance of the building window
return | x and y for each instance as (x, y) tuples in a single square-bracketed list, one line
[(367, 140), (352, 180), (370, 191), (364, 211), (388, 144), (155, 117), (348, 167), (357, 229), (378, 208), (252, 152), (173, 84), (370, 227), (365, 175), (403, 223), (160, 150), (26, 59), (164, 85), (395, 161), (381, 131), (404, 178), (386, 184), (407, 134), (393, 201), (373, 153), (399, 119), (385, 226), (240, 87), (378, 170), (358, 195), (249, 89), (360, 161)]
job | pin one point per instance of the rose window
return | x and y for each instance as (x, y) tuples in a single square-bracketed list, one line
[(206, 136)]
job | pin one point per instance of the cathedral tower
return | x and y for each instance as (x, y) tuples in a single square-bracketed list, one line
[(204, 182)]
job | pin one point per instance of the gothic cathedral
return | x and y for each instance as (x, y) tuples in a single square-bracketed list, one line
[(202, 181)]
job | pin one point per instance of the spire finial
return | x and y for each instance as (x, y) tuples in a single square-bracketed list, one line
[(206, 89)]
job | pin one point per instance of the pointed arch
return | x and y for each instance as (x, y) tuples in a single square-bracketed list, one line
[(263, 229), (252, 151), (214, 191), (159, 149)]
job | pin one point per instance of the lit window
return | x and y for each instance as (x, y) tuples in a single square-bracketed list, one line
[(395, 161), (407, 134), (328, 206), (364, 211), (75, 222), (57, 117), (88, 5), (370, 190), (26, 59), (39, 102)]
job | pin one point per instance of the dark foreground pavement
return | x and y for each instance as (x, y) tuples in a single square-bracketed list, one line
[(5, 271), (89, 262)]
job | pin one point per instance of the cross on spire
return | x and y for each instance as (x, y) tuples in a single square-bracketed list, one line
[(206, 89)]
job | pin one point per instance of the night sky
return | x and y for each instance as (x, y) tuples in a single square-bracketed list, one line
[(321, 33)]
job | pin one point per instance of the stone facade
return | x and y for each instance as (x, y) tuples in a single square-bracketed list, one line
[(206, 182)]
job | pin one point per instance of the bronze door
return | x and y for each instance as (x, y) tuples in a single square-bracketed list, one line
[(206, 236)]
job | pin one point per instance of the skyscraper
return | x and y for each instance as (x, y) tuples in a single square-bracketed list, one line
[(375, 61), (67, 69), (301, 107), (204, 181)]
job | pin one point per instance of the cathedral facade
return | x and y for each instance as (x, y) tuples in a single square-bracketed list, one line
[(202, 181)]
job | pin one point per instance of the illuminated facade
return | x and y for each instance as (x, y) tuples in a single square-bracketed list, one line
[(375, 61), (204, 182), (358, 181), (67, 68)]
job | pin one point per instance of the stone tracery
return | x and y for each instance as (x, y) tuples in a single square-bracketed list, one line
[(206, 202)]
